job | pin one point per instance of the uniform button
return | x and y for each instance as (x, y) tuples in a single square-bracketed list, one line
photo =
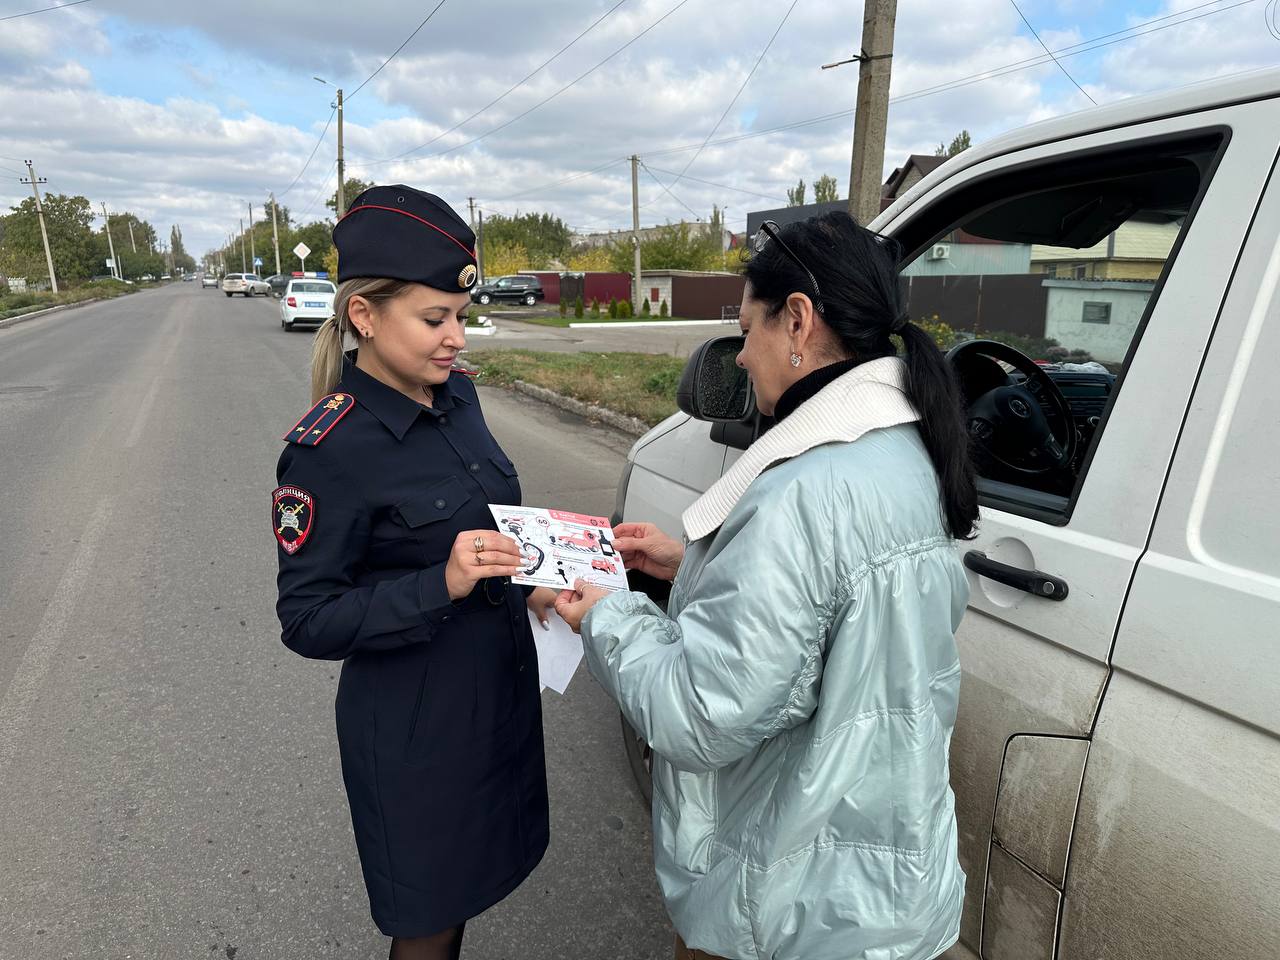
[(445, 619), (444, 418), (522, 668), (474, 468), (440, 504)]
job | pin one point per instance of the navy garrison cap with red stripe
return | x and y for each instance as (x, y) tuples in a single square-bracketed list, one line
[(405, 234)]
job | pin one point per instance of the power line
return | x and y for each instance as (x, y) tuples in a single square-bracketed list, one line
[(651, 174), (398, 49), (321, 192), (32, 13), (313, 154), (1076, 49), (571, 83), (723, 186), (560, 183), (746, 80), (1050, 52), (525, 79)]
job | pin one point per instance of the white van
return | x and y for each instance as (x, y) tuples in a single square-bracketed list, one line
[(1116, 761)]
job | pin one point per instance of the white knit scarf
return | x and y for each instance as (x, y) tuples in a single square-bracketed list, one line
[(871, 396)]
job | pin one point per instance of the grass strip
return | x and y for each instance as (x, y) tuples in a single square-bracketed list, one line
[(640, 385), (16, 304)]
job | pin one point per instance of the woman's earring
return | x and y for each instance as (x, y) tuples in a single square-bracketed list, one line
[(795, 359)]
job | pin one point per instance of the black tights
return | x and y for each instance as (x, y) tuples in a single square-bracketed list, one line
[(446, 945)]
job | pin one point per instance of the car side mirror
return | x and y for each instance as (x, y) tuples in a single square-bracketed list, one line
[(713, 386)]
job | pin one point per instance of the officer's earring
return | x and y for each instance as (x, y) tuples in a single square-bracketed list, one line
[(795, 359)]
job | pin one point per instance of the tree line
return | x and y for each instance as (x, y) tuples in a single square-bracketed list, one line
[(80, 251)]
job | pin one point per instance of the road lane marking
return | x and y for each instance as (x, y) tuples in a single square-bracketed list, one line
[(140, 419), (144, 408), (38, 659)]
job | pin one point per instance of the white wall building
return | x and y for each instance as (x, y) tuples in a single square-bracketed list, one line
[(1099, 316)]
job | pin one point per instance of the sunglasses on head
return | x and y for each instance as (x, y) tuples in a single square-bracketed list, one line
[(769, 230)]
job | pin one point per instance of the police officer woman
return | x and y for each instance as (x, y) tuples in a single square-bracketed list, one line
[(391, 562)]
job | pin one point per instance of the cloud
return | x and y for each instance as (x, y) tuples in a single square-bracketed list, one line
[(193, 158)]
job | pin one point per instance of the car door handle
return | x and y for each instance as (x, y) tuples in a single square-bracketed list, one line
[(1034, 582)]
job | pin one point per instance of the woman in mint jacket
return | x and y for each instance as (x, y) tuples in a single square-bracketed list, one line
[(800, 691)]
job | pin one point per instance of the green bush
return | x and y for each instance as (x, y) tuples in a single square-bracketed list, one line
[(564, 309), (644, 308), (595, 307), (624, 310), (663, 311), (577, 308), (663, 383), (613, 309)]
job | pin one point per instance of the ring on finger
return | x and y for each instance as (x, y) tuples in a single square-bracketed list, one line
[(478, 543)]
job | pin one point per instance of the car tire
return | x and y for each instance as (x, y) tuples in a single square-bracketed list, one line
[(228, 294), (639, 759), (484, 299), (530, 299), (288, 326)]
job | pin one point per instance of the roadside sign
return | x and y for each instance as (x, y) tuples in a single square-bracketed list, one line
[(257, 261), (302, 251)]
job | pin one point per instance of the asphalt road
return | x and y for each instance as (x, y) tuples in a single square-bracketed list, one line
[(169, 781)]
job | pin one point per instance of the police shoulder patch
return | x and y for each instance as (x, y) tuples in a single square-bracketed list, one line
[(293, 513), (320, 419)]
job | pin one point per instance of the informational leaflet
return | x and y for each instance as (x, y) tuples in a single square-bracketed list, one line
[(560, 548)]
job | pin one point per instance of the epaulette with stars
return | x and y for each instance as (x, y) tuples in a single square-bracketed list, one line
[(320, 419)]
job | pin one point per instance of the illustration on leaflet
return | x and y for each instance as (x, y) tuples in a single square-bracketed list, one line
[(560, 548)]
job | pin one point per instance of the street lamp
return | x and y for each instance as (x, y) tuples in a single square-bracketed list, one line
[(342, 166)]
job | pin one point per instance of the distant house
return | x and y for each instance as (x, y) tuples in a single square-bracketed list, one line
[(917, 167), (1137, 250), (693, 294), (1097, 316)]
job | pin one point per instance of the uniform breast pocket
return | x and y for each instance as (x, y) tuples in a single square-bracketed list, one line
[(428, 517), (504, 481)]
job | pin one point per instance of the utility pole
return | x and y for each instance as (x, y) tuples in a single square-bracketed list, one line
[(253, 253), (106, 228), (471, 205), (635, 227), (132, 244), (872, 117), (243, 266), (275, 232), (480, 249), (44, 234), (342, 166)]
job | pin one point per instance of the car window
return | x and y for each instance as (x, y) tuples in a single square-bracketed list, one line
[(252, 276), (504, 282), (1063, 263), (311, 286)]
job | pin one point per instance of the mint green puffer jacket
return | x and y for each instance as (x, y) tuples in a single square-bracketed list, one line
[(799, 696)]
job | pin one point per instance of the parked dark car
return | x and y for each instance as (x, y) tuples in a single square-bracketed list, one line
[(514, 289), (278, 282)]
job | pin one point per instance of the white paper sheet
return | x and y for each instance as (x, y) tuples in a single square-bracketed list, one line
[(559, 651)]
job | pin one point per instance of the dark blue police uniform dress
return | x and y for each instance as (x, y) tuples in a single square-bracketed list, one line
[(438, 709)]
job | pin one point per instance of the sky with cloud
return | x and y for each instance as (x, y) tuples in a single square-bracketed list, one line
[(184, 114)]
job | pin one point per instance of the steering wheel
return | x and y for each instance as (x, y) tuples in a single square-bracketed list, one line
[(1009, 423)]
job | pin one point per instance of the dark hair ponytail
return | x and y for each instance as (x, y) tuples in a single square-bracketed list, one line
[(857, 273), (934, 392)]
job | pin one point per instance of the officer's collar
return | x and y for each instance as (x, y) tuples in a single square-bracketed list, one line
[(396, 411)]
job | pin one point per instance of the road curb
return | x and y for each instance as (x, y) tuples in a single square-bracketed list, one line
[(618, 421), (12, 321)]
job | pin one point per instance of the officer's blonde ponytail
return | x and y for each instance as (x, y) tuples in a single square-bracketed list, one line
[(326, 352)]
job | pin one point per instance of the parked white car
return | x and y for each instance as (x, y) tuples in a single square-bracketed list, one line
[(1116, 760), (245, 284), (306, 300)]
